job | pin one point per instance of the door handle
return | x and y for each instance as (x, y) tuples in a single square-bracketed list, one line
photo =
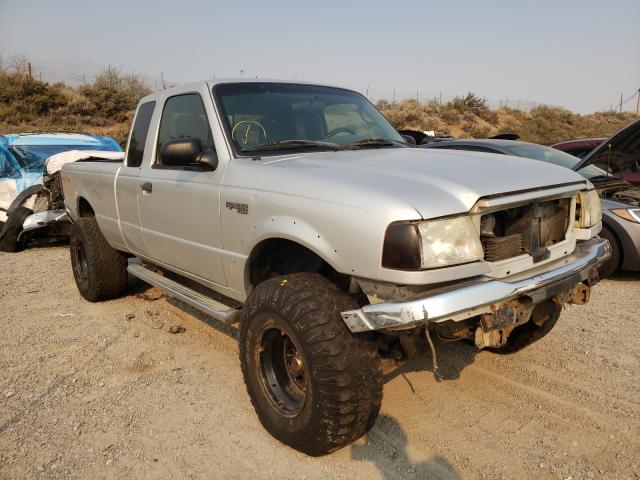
[(147, 187)]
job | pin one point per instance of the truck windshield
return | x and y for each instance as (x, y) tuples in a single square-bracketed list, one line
[(275, 117), (32, 157)]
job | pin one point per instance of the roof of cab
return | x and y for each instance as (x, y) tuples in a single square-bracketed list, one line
[(218, 81)]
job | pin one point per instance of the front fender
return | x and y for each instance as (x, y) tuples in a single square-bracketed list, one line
[(23, 196)]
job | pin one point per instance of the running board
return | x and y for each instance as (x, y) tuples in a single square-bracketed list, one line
[(202, 302)]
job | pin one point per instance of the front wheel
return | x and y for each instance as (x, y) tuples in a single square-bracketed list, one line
[(609, 267), (314, 385), (11, 230)]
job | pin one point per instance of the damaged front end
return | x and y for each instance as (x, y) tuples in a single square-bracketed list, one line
[(38, 212), (398, 307), (540, 252), (522, 310)]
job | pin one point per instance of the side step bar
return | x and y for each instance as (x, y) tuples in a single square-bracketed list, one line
[(202, 302)]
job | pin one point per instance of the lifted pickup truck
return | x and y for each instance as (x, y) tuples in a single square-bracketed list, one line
[(297, 211)]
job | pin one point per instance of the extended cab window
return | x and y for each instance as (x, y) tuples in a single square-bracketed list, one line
[(184, 117), (139, 134)]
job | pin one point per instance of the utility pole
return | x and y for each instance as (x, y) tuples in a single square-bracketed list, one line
[(29, 66), (394, 96), (162, 79), (620, 102), (638, 104)]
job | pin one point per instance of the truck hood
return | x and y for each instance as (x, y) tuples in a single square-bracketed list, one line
[(434, 182)]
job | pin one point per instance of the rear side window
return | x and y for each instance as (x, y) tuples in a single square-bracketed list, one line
[(139, 134), (184, 116)]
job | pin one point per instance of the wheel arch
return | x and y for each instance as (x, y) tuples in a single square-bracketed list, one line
[(23, 196), (281, 255), (84, 208)]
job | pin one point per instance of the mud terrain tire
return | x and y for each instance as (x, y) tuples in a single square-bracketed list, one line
[(314, 385), (99, 270), (9, 233)]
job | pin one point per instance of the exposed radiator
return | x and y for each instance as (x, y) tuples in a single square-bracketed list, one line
[(501, 248)]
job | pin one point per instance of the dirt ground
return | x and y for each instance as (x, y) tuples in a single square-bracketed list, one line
[(86, 392)]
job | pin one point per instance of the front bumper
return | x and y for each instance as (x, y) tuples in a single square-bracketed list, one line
[(459, 302), (43, 219)]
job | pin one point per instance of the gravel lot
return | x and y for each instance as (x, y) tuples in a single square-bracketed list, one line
[(86, 392)]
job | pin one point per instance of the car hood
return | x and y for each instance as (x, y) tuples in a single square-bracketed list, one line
[(620, 154), (434, 182), (55, 162)]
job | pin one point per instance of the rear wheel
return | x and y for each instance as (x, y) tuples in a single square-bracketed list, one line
[(314, 385), (99, 270), (613, 262)]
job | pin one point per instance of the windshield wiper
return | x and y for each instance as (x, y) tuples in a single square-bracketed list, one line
[(375, 142), (293, 144)]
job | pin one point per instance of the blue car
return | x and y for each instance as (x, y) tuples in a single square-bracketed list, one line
[(22, 173)]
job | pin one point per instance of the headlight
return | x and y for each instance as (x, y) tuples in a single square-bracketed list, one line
[(588, 209), (431, 244), (631, 214)]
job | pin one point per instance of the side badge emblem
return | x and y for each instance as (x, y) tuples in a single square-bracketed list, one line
[(241, 208)]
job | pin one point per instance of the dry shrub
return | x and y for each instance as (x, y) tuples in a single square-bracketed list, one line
[(470, 116), (28, 104)]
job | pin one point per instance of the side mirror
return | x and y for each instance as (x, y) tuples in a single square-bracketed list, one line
[(409, 139), (180, 152), (208, 159)]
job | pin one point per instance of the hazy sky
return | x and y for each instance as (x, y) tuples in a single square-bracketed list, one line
[(579, 54)]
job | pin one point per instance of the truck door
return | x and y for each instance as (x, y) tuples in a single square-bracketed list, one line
[(129, 178), (179, 206)]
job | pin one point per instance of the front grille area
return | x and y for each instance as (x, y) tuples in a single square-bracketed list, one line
[(525, 229)]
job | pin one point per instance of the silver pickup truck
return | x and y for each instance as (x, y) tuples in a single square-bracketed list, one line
[(297, 211)]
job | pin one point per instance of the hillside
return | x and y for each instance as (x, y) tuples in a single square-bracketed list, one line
[(470, 117), (106, 107)]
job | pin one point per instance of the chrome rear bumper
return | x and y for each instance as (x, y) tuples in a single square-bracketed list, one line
[(461, 301)]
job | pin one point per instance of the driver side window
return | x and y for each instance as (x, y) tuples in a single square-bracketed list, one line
[(184, 116)]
